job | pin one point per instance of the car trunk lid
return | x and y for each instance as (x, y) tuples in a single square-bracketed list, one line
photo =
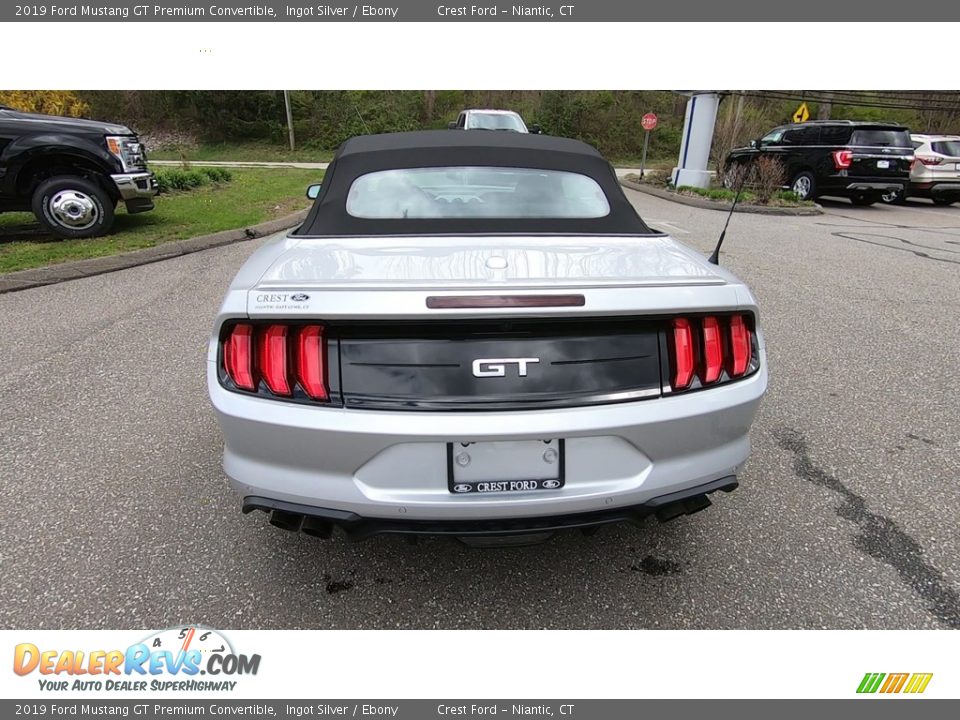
[(485, 263)]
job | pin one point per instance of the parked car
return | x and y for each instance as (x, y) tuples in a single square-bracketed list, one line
[(861, 161), (936, 172), (71, 173), (475, 334), (492, 120)]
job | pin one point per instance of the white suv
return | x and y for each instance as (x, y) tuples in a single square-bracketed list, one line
[(936, 172)]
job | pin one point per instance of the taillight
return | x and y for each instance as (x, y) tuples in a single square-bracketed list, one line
[(712, 351), (312, 362), (279, 356), (238, 356), (272, 359), (842, 159), (683, 363), (741, 346), (927, 160)]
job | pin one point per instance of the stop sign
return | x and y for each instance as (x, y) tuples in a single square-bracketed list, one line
[(649, 121)]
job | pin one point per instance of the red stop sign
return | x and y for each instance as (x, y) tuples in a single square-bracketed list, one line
[(649, 121)]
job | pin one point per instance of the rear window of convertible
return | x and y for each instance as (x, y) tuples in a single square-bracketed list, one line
[(475, 192)]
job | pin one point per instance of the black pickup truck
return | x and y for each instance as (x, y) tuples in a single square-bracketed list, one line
[(71, 173)]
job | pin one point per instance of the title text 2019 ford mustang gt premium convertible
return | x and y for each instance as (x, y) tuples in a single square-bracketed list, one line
[(474, 334)]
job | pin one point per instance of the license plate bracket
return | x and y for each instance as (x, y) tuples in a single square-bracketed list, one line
[(505, 467)]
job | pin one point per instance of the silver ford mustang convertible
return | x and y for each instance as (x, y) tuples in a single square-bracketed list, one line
[(474, 334)]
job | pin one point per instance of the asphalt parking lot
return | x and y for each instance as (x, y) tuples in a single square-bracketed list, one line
[(116, 513)]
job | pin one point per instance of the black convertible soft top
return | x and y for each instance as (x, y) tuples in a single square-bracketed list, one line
[(452, 148)]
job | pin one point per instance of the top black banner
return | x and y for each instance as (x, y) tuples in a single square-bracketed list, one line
[(491, 11)]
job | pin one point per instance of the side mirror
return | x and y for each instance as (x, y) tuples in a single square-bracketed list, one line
[(313, 191), (754, 143), (452, 125), (536, 129)]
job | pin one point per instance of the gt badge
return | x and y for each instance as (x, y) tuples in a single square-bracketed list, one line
[(497, 367)]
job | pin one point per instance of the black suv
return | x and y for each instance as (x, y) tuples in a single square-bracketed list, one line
[(859, 160), (71, 173)]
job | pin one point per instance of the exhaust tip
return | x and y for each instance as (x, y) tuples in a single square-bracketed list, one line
[(315, 527), (286, 520)]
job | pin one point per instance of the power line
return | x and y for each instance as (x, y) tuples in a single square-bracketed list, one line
[(852, 100)]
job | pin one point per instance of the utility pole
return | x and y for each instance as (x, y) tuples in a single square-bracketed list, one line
[(825, 107), (738, 114), (286, 103)]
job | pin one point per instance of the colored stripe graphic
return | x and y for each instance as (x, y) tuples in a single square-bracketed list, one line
[(918, 682), (870, 682), (894, 683)]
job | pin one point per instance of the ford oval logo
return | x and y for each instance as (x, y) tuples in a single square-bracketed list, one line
[(550, 484), (300, 297), (462, 488)]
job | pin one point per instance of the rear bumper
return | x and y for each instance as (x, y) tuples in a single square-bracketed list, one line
[(392, 465), (320, 522), (944, 189), (874, 187), (846, 186)]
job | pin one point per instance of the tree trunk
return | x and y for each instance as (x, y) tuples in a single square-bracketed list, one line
[(429, 103)]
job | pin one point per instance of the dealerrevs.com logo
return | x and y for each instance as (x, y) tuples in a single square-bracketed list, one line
[(179, 659)]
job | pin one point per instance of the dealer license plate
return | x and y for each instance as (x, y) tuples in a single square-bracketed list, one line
[(883, 164), (508, 466)]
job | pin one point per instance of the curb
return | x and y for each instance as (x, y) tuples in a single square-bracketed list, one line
[(713, 205), (25, 279)]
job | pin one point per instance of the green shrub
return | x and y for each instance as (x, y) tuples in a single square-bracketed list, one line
[(181, 179), (217, 174), (717, 193)]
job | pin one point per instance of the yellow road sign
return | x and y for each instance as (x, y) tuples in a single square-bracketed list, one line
[(802, 114)]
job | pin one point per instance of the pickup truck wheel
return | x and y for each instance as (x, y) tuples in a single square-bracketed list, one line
[(804, 185), (70, 206), (863, 200)]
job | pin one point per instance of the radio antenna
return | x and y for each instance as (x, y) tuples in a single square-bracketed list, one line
[(715, 256)]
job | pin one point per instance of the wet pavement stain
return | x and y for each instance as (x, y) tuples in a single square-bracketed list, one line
[(657, 566), (879, 537), (335, 586)]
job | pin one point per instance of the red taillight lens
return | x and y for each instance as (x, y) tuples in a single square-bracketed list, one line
[(842, 159), (683, 365), (741, 346), (712, 351), (238, 356), (706, 347), (279, 355), (927, 160), (272, 359), (312, 362)]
